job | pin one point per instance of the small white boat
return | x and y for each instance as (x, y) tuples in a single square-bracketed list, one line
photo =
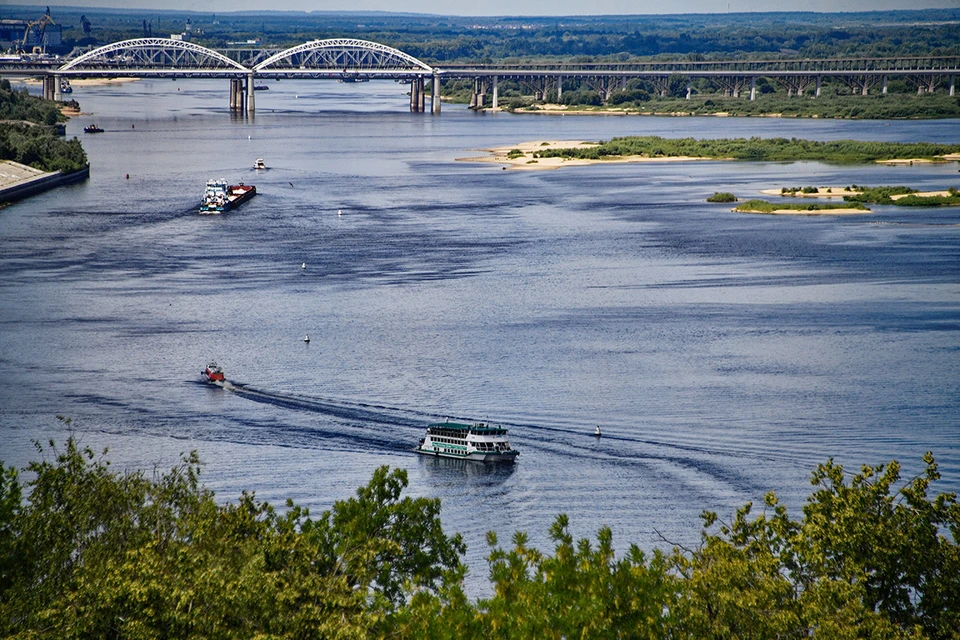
[(306, 338), (596, 431), (259, 164), (303, 266)]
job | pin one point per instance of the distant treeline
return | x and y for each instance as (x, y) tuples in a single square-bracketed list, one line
[(447, 39), (760, 149), (88, 552), (28, 135)]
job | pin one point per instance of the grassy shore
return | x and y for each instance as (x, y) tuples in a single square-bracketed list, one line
[(813, 208), (757, 149)]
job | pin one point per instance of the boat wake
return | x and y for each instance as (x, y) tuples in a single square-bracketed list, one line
[(343, 410)]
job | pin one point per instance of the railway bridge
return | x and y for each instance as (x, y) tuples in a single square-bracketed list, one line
[(351, 60)]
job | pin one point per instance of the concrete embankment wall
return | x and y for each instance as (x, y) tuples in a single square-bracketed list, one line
[(33, 186)]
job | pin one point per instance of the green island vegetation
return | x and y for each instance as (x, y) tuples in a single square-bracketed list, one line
[(788, 191), (762, 206), (758, 149), (28, 135), (909, 197), (722, 197), (89, 552)]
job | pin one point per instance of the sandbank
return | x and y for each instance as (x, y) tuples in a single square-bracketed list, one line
[(87, 82), (526, 162), (835, 192), (796, 212), (922, 194)]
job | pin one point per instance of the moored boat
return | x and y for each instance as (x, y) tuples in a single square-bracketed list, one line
[(219, 197), (479, 441), (92, 128), (213, 373)]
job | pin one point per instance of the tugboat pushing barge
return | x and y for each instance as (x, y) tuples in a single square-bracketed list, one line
[(220, 197)]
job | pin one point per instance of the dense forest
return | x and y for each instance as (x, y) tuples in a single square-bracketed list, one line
[(27, 134), (89, 552), (441, 39), (449, 40)]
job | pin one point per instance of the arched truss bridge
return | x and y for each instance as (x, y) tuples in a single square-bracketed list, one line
[(338, 57)]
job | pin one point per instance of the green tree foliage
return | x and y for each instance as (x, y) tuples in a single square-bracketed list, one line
[(723, 196), (29, 138), (20, 105), (88, 552), (94, 553), (40, 147)]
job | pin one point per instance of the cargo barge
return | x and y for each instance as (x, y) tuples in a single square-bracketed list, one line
[(219, 196)]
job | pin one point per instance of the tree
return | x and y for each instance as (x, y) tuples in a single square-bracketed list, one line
[(94, 553)]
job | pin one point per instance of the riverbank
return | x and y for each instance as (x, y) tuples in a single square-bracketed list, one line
[(18, 181)]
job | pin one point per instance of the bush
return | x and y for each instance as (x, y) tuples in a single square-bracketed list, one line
[(722, 197)]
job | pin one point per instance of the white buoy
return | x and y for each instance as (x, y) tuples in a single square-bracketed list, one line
[(596, 431), (249, 137), (306, 338), (339, 213), (303, 266)]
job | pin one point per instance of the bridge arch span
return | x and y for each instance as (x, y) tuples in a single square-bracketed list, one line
[(154, 55), (344, 56)]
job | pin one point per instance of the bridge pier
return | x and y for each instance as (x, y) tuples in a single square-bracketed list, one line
[(251, 102), (753, 87), (496, 93), (689, 90), (952, 83), (559, 88), (49, 89), (883, 89), (479, 96), (417, 95), (57, 93), (819, 79), (237, 102), (435, 94)]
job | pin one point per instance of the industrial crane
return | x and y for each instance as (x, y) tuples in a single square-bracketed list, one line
[(38, 27)]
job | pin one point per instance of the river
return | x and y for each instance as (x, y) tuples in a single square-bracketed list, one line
[(724, 355)]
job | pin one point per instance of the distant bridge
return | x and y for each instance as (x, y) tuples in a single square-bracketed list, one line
[(348, 60)]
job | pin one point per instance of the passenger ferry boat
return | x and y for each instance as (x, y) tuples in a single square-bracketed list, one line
[(478, 441), (213, 373), (219, 197)]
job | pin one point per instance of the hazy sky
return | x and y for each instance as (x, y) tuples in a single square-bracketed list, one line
[(523, 7)]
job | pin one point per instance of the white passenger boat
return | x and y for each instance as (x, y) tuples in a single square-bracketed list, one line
[(478, 441)]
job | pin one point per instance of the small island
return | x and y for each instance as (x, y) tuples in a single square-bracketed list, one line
[(551, 154), (896, 195), (812, 209)]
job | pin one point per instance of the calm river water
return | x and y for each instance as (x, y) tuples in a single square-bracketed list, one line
[(723, 354)]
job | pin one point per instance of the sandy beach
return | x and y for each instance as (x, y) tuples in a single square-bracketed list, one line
[(526, 161), (824, 192), (86, 82), (794, 212)]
